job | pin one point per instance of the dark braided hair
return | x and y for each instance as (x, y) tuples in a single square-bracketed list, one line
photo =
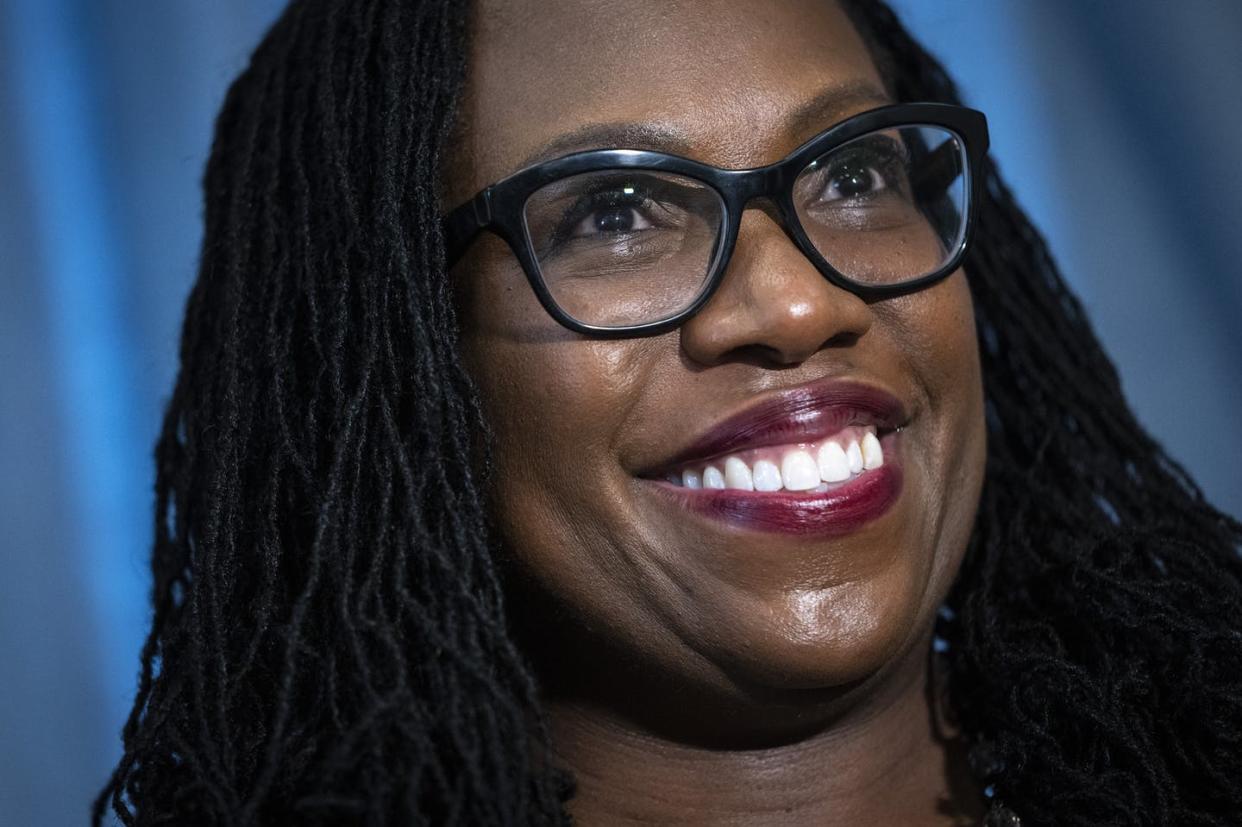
[(329, 642)]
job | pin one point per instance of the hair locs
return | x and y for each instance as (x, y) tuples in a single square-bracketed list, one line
[(329, 641)]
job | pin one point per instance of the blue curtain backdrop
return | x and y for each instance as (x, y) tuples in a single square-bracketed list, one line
[(1116, 123)]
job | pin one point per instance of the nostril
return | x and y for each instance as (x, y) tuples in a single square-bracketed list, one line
[(760, 355)]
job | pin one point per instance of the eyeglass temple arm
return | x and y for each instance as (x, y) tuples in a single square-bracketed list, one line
[(464, 223)]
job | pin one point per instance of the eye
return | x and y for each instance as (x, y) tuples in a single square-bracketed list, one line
[(611, 213), (618, 212), (867, 169), (851, 179)]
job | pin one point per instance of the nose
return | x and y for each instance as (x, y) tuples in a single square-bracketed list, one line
[(773, 304)]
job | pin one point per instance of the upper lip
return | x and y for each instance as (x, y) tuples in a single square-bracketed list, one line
[(806, 413)]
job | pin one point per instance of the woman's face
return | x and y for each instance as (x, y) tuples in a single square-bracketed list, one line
[(731, 599)]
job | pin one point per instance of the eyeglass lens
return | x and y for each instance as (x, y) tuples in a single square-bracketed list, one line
[(624, 247)]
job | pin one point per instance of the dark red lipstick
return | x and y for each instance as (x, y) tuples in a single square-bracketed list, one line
[(805, 414), (834, 513)]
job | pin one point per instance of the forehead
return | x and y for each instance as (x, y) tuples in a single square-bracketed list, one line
[(730, 82)]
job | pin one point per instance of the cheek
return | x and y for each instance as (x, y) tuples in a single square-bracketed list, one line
[(936, 331), (937, 334), (950, 348), (555, 404), (554, 400)]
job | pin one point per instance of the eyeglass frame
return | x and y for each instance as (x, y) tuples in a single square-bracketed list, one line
[(500, 207)]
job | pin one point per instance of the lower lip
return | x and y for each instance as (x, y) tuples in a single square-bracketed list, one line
[(833, 513)]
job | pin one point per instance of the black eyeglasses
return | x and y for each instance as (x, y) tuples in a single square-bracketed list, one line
[(623, 242)]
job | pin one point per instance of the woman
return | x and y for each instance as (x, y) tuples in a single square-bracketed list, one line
[(655, 492)]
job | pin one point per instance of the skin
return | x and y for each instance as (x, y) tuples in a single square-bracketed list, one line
[(695, 672)]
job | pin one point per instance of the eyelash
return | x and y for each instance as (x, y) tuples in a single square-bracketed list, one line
[(886, 161), (604, 197)]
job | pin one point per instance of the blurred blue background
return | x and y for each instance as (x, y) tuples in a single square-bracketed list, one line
[(1116, 124)]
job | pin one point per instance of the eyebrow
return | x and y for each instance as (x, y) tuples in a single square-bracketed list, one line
[(825, 108)]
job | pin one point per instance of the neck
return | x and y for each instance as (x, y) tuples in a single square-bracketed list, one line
[(883, 759)]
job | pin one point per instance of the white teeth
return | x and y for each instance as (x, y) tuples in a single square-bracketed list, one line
[(854, 455), (712, 478), (872, 454), (737, 475), (798, 471), (834, 466), (767, 476)]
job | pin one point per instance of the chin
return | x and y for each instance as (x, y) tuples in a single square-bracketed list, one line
[(828, 639)]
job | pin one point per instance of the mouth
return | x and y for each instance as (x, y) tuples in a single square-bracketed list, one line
[(816, 467), (820, 459)]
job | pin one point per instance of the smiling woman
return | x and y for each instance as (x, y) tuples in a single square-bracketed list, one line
[(637, 412)]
